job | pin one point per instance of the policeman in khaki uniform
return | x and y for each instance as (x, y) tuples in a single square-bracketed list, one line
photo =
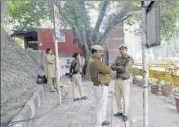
[(122, 66), (99, 74), (51, 70), (75, 71)]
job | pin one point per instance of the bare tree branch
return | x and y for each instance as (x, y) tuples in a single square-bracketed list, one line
[(118, 18), (109, 29), (85, 16), (101, 15)]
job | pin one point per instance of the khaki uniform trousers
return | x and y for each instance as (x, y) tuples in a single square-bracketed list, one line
[(101, 95), (122, 91), (51, 82), (77, 86)]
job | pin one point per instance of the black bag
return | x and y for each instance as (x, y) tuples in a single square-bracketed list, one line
[(41, 79), (45, 80), (41, 76)]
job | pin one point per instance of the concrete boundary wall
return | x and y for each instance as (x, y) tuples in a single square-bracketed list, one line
[(29, 110)]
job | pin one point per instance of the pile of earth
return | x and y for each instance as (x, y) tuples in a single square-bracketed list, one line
[(19, 72)]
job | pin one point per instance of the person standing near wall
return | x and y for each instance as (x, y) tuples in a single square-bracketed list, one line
[(122, 66), (75, 72), (51, 70)]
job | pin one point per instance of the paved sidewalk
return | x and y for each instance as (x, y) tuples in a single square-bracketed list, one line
[(70, 113), (81, 114), (162, 110)]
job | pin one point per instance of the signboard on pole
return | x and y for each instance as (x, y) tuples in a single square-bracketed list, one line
[(153, 25), (57, 23)]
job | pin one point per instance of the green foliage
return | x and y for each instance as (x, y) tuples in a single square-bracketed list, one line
[(169, 14), (26, 13)]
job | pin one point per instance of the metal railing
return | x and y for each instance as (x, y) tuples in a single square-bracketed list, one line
[(168, 72)]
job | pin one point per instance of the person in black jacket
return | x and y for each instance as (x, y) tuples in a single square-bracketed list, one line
[(75, 72)]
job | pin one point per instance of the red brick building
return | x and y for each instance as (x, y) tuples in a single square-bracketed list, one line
[(42, 38), (45, 40)]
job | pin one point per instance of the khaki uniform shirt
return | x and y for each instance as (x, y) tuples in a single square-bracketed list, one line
[(99, 73), (122, 66)]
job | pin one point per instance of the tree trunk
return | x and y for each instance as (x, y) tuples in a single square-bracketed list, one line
[(86, 52)]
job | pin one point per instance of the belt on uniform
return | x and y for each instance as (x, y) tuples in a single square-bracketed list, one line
[(101, 84), (124, 78), (75, 73)]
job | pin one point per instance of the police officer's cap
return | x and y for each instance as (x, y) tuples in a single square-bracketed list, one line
[(97, 47), (122, 46)]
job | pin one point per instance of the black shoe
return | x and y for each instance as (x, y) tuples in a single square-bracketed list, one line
[(106, 123), (125, 118), (118, 114), (76, 99), (52, 90), (84, 98)]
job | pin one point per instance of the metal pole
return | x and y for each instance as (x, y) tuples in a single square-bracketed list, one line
[(57, 62), (58, 72), (145, 66)]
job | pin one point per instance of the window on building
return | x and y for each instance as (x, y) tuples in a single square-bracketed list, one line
[(62, 37)]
